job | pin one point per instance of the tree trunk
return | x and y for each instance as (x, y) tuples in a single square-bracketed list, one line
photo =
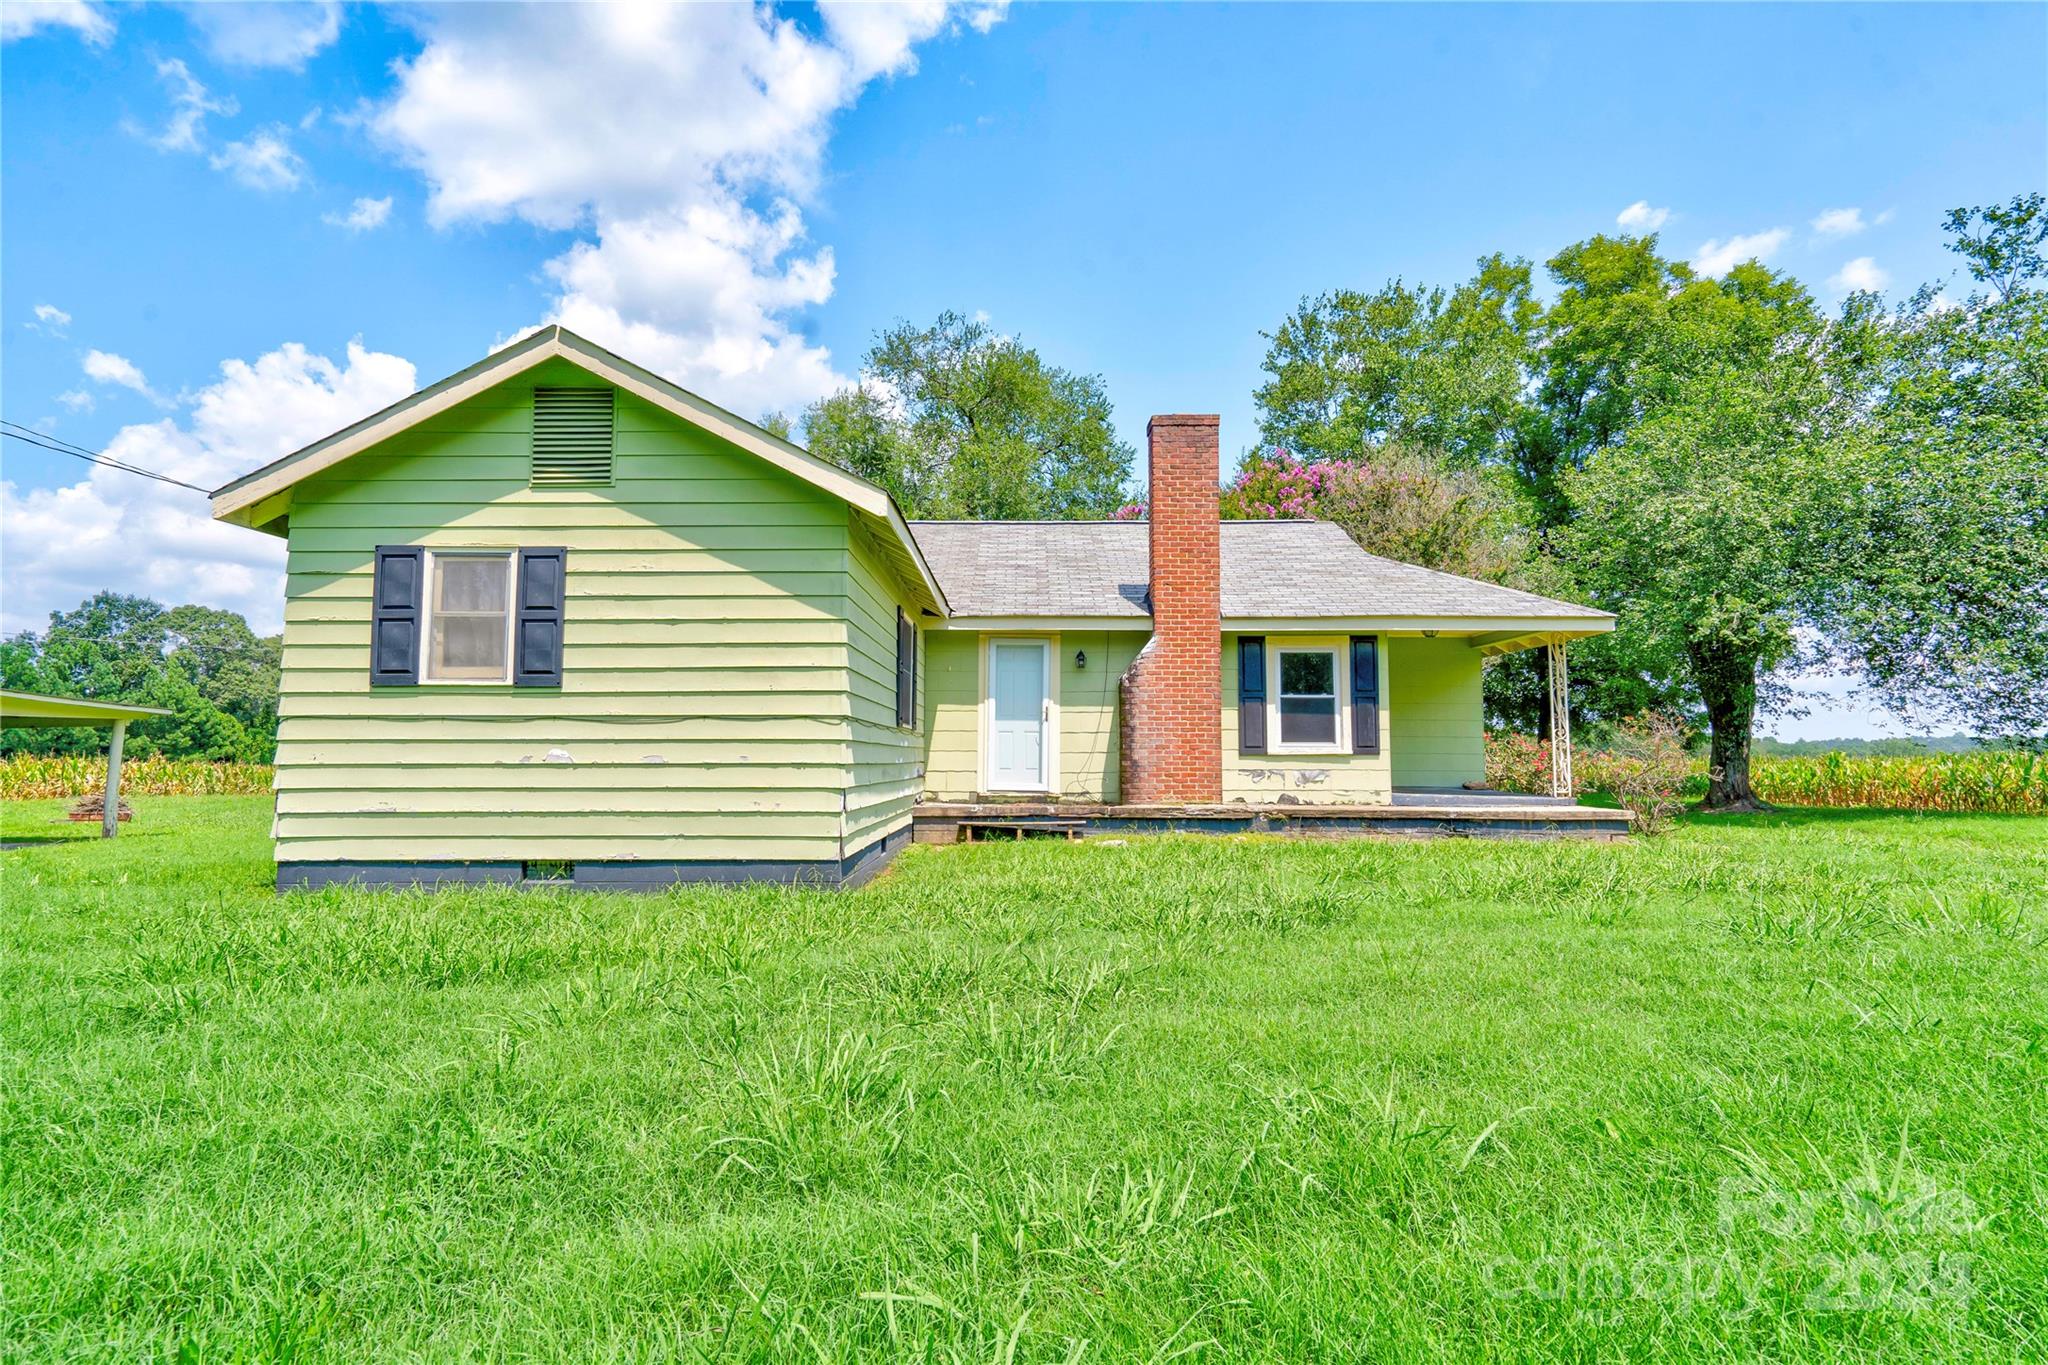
[(1727, 681)]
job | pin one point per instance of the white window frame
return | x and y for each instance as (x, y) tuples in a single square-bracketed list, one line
[(429, 572), (1339, 670)]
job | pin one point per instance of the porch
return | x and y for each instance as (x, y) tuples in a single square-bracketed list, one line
[(1412, 812)]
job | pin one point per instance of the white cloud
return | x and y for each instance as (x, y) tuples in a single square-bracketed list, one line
[(364, 215), (117, 531), (271, 34), (104, 367), (49, 319), (689, 178), (1859, 275), (20, 18), (190, 104), (1840, 223), (1716, 257), (263, 161), (1640, 217), (78, 400)]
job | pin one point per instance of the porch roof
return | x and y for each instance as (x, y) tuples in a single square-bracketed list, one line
[(1271, 570)]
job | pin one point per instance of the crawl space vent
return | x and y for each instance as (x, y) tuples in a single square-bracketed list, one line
[(572, 438)]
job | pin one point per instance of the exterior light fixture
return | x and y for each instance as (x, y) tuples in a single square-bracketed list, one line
[(1080, 660)]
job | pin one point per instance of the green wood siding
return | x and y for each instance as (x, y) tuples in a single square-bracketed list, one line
[(1314, 779), (728, 665), (952, 714), (1435, 712)]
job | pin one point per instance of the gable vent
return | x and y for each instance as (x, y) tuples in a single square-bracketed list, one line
[(572, 438)]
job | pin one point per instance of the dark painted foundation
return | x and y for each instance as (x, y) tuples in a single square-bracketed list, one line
[(854, 870)]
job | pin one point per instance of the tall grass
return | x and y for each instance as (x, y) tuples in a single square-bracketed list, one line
[(1987, 781), (27, 777), (1772, 1087)]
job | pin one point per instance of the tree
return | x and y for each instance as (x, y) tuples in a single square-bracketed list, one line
[(1947, 609), (957, 421), (1871, 490), (1714, 528), (1399, 501), (1439, 369), (219, 679)]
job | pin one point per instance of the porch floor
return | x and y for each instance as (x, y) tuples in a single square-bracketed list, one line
[(1412, 812)]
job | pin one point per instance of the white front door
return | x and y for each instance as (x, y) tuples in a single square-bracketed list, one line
[(1018, 713)]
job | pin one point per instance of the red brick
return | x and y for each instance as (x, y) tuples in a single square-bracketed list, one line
[(1169, 738)]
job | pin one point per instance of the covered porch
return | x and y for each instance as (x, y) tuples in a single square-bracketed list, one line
[(34, 710)]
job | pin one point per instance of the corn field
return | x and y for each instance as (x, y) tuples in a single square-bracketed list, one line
[(1992, 780), (25, 777), (1989, 781)]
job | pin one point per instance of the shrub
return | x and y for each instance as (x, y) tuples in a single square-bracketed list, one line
[(1644, 765)]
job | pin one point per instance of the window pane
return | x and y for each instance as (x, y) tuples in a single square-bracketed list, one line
[(1308, 720), (467, 647), (471, 584), (1308, 673)]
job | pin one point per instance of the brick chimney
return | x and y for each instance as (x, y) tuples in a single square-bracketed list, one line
[(1171, 737)]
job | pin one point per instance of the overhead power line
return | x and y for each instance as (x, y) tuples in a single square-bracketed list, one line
[(98, 457)]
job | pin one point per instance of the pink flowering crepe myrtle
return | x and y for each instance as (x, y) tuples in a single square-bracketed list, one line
[(1270, 485)]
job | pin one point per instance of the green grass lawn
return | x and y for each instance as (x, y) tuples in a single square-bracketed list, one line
[(1772, 1087)]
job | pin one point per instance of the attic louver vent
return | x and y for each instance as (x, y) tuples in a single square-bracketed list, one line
[(572, 438)]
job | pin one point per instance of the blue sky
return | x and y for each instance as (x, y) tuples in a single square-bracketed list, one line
[(212, 207)]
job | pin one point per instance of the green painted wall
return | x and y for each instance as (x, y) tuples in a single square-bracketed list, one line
[(1087, 696), (728, 662), (1315, 779), (1435, 710)]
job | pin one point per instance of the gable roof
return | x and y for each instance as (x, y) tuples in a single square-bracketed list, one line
[(1270, 571), (262, 499)]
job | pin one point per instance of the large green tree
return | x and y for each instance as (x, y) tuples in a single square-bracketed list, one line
[(1946, 608), (1443, 370), (1870, 490), (956, 420)]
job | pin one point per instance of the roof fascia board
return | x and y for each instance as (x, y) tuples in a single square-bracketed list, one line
[(1047, 624), (1491, 629), (1441, 625)]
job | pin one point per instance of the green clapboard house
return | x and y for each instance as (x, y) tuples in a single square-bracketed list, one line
[(555, 617)]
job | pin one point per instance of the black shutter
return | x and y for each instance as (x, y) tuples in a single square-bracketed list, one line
[(1251, 694), (537, 623), (395, 616), (1365, 694), (906, 669)]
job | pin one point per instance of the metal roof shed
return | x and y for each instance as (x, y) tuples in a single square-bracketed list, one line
[(29, 710)]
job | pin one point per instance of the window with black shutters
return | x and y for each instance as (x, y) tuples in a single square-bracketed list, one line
[(467, 616)]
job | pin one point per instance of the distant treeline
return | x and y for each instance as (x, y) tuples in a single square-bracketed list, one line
[(1870, 748)]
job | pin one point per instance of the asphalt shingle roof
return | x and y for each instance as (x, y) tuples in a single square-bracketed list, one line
[(1269, 569)]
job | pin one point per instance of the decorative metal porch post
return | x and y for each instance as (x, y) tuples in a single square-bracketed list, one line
[(1560, 722)]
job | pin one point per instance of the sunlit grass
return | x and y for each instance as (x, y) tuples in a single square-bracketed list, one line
[(1243, 1099)]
